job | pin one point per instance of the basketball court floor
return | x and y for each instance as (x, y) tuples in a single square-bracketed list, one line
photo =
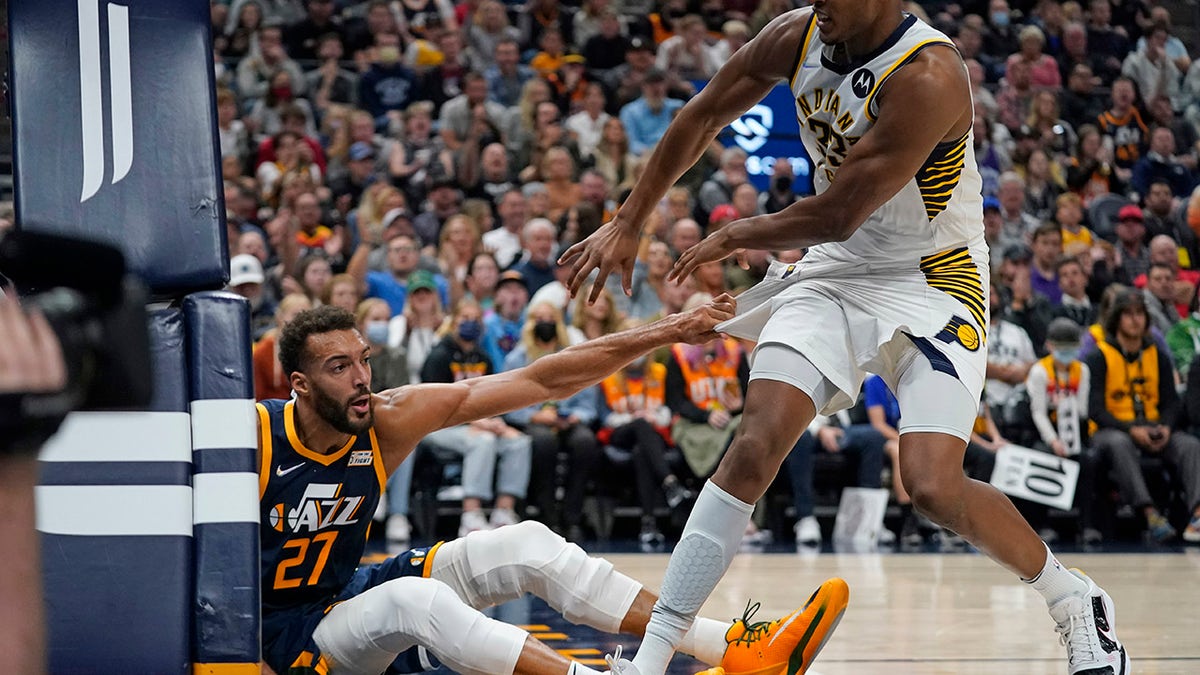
[(927, 613)]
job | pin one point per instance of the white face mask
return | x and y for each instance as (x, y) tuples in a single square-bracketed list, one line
[(376, 332)]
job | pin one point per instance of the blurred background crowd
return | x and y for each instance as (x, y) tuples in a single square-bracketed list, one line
[(423, 163)]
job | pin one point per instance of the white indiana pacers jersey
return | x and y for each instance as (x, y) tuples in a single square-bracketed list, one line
[(937, 213)]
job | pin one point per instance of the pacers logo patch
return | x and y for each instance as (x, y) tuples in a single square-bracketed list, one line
[(361, 458), (960, 331)]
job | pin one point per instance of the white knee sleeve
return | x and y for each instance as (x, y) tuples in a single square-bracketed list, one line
[(488, 568), (365, 633)]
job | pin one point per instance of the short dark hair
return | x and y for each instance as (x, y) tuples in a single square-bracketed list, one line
[(1159, 265), (293, 340), (1046, 229), (1069, 260)]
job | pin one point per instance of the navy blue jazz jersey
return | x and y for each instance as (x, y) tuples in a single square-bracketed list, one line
[(315, 511)]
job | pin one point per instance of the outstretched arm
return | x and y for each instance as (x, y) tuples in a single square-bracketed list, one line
[(403, 416), (932, 103), (743, 81)]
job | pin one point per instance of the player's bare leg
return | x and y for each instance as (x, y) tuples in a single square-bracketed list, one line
[(775, 415)]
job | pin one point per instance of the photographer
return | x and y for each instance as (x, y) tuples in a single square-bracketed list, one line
[(31, 362), (1134, 404)]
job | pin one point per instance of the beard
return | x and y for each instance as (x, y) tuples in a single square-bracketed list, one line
[(337, 413)]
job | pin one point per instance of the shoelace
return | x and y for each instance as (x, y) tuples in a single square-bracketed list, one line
[(1076, 635), (754, 631), (613, 661)]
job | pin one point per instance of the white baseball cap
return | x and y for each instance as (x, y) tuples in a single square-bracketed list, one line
[(245, 269)]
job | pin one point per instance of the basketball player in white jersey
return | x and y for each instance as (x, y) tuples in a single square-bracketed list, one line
[(893, 283)]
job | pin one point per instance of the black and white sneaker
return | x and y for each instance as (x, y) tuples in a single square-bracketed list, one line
[(1087, 626)]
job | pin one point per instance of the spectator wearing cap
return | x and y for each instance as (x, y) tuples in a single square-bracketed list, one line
[(246, 279), (507, 76), (605, 50), (403, 258), (347, 189), (686, 53), (444, 200), (993, 231), (571, 82), (646, 118), (538, 240), (1059, 387), (1073, 283), (722, 216), (1026, 308), (388, 85), (502, 328), (1133, 257)]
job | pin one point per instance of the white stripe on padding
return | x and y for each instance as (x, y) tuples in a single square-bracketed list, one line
[(113, 510), (224, 423), (225, 498), (121, 437)]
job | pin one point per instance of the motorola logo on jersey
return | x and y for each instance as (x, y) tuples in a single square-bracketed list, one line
[(91, 95), (862, 83), (322, 506), (753, 128)]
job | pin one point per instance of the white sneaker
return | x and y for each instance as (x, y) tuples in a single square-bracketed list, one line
[(618, 665), (808, 531), (398, 528), (502, 517), (472, 521), (1087, 626)]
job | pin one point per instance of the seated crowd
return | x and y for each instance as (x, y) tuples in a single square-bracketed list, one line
[(423, 164)]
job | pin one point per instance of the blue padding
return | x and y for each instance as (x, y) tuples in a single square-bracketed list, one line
[(227, 609), (226, 460), (219, 346), (141, 172), (115, 473), (227, 617), (117, 604), (168, 360)]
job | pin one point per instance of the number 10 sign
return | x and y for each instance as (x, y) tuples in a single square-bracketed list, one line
[(1037, 476)]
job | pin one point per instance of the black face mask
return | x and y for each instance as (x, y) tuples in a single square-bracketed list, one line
[(545, 331), (782, 183)]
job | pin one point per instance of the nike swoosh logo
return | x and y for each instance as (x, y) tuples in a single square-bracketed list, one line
[(281, 472), (783, 628)]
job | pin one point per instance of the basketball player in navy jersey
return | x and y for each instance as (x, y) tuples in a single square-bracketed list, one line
[(325, 458), (893, 283)]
